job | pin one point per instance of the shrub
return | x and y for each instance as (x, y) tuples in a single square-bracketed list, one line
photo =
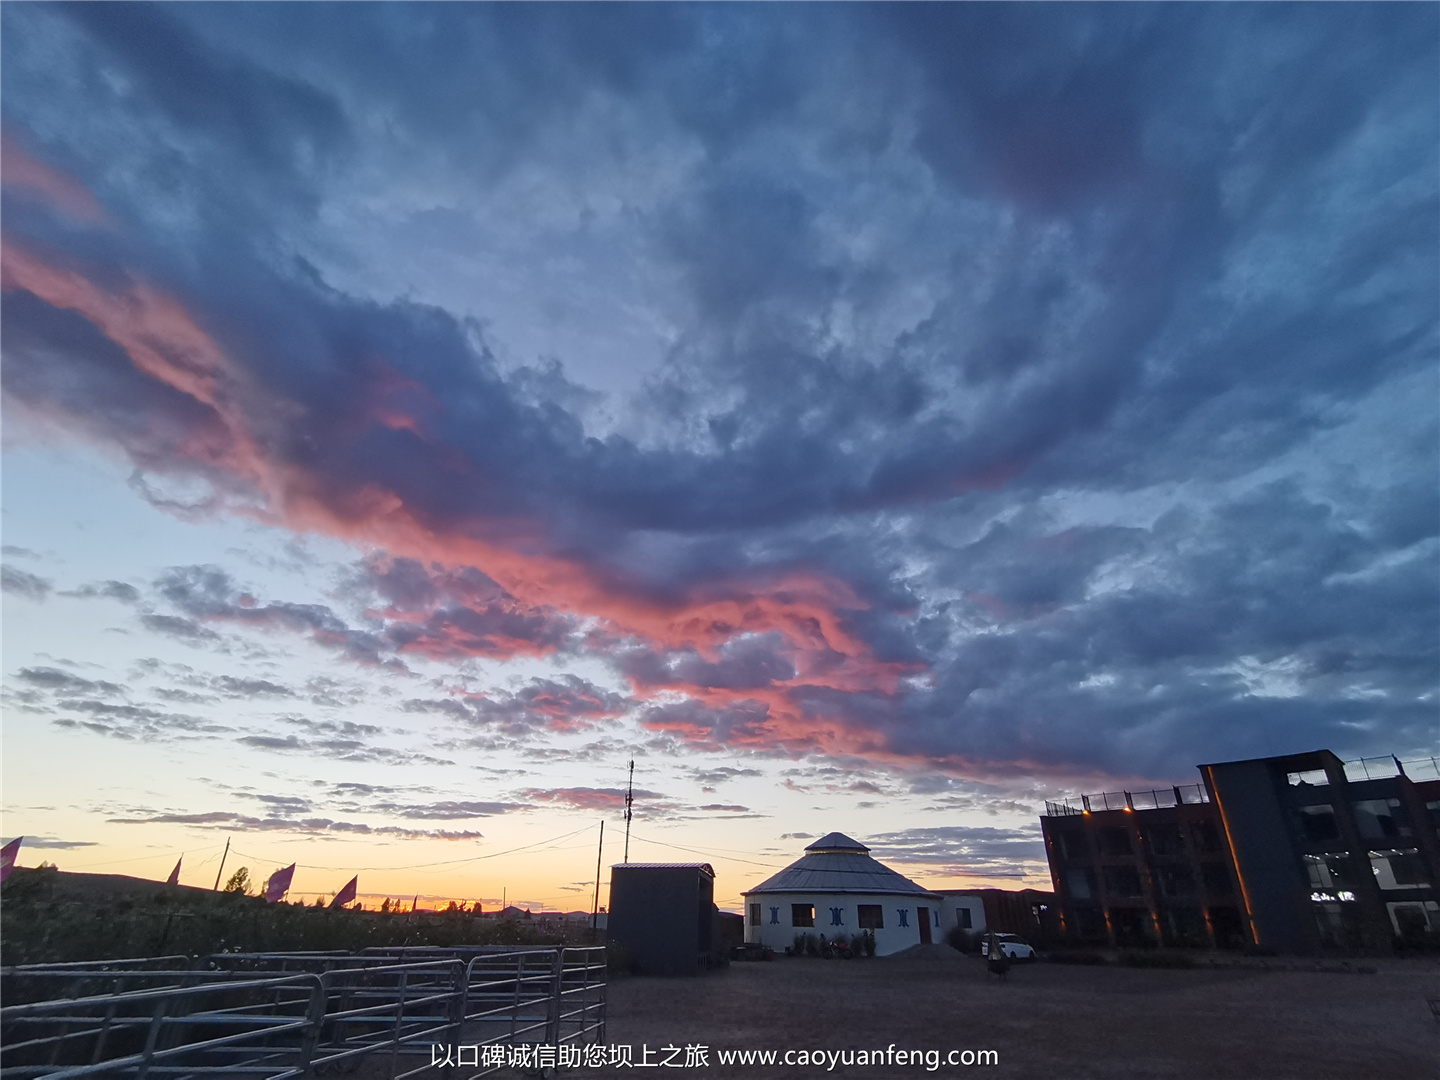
[(964, 940), (239, 882)]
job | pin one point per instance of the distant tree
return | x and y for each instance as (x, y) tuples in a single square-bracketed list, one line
[(385, 906), (239, 882), (454, 907), (47, 865), (319, 901)]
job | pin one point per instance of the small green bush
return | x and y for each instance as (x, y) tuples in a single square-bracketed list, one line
[(965, 941)]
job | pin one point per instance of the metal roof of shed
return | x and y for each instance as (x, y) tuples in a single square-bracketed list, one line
[(837, 864), (705, 866)]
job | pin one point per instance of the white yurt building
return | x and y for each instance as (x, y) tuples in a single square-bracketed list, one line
[(837, 890)]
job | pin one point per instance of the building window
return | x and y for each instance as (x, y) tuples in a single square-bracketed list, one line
[(963, 916), (1114, 841), (802, 914), (1414, 919), (774, 916), (1081, 884), (1073, 844), (754, 914), (870, 916), (1399, 869), (1327, 871), (1216, 878), (904, 914), (837, 916), (1339, 925), (1165, 839), (1380, 819), (1433, 809), (1176, 881), (1205, 837), (1122, 881), (1318, 822)]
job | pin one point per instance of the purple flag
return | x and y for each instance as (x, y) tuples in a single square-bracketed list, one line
[(8, 854), (279, 883), (174, 878), (347, 894)]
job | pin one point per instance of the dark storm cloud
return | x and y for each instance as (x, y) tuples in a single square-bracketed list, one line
[(955, 281), (647, 803), (340, 749), (19, 582), (310, 826), (744, 663), (562, 703), (722, 774), (962, 849), (64, 683), (112, 590), (52, 843)]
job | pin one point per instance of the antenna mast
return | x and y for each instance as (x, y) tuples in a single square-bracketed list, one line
[(629, 801), (599, 855)]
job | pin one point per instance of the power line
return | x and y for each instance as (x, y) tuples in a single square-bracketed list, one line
[(696, 851), (138, 858)]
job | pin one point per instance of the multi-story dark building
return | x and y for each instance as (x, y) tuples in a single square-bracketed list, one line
[(1296, 853)]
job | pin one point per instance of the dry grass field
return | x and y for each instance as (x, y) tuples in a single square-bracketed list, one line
[(1049, 1020)]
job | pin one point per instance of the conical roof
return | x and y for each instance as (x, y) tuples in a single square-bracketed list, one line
[(836, 841), (837, 864)]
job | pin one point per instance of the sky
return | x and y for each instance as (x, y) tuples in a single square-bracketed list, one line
[(875, 418)]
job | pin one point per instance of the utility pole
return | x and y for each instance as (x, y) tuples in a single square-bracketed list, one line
[(599, 856), (629, 801), (222, 865)]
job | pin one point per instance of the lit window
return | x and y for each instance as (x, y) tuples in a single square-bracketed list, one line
[(1327, 871), (1399, 869), (870, 916), (802, 914)]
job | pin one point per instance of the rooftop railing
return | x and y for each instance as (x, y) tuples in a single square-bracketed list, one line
[(1154, 799), (1371, 768)]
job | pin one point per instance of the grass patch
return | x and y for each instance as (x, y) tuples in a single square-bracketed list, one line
[(53, 917)]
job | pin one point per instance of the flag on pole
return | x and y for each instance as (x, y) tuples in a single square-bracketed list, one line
[(279, 884), (8, 854), (174, 878), (347, 894)]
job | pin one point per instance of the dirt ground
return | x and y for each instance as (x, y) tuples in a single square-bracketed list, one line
[(1047, 1020)]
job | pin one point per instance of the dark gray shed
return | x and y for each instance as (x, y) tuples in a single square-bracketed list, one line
[(662, 914)]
